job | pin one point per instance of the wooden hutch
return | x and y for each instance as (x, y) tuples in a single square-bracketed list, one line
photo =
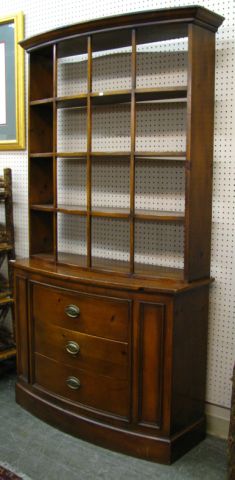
[(113, 350)]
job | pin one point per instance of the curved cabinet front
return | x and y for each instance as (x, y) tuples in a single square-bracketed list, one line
[(99, 363)]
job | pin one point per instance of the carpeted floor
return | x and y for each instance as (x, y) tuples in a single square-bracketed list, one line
[(43, 453)]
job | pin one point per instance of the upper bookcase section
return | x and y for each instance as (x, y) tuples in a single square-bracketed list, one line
[(159, 25)]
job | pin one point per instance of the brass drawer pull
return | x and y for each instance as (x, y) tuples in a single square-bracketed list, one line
[(72, 347), (72, 311), (73, 383)]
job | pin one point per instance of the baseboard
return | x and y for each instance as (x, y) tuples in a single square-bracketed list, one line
[(217, 420)]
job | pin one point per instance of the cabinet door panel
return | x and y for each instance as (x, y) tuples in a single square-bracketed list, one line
[(151, 347)]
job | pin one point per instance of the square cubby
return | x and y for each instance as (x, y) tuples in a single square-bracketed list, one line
[(110, 185), (159, 248), (159, 186), (41, 74), (110, 244), (161, 127), (71, 183), (71, 239), (72, 130), (162, 62), (41, 128), (111, 61), (72, 73), (111, 128)]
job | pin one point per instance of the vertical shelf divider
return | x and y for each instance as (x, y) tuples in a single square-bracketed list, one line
[(89, 146), (132, 157), (55, 241)]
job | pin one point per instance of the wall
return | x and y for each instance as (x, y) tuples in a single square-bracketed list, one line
[(43, 15)]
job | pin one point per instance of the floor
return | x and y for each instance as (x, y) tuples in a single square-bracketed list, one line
[(43, 453)]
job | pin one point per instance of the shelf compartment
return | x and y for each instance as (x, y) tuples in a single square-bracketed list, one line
[(110, 244), (164, 64), (71, 235), (41, 232), (156, 271), (41, 128), (71, 130), (41, 180), (161, 127), (111, 69), (111, 127), (159, 248), (71, 184), (160, 190), (72, 72), (110, 186), (41, 73)]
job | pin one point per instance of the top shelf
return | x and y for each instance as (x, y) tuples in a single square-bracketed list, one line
[(115, 32)]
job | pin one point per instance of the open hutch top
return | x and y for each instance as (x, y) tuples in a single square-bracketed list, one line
[(71, 128)]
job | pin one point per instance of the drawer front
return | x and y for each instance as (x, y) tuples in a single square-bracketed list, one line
[(79, 350), (95, 315), (97, 391)]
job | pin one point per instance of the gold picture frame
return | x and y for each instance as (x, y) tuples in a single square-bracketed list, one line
[(12, 105)]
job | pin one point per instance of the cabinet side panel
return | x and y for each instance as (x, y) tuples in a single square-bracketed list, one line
[(200, 126), (22, 336), (151, 353), (189, 358)]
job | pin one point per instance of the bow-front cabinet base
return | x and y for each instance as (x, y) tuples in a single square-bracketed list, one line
[(116, 361)]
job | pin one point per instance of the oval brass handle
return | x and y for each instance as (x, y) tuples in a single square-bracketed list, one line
[(72, 347), (72, 311), (73, 383)]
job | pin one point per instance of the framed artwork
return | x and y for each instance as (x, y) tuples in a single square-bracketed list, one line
[(12, 114)]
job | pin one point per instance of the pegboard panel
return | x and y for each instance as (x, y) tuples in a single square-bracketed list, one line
[(44, 15)]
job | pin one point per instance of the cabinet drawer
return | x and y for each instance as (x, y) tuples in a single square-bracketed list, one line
[(96, 315), (96, 391), (95, 354)]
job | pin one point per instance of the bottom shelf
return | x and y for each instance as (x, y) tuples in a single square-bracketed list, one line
[(114, 266)]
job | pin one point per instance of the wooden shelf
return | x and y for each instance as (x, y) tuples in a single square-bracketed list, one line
[(42, 154), (112, 265), (113, 212), (78, 101), (174, 156), (112, 97), (42, 101), (162, 216)]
